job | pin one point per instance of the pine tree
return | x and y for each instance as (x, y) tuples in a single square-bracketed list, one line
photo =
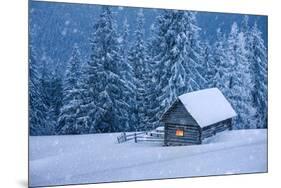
[(36, 105), (194, 60), (161, 69), (178, 56), (240, 81), (44, 96), (151, 94), (87, 110), (105, 82), (152, 105), (52, 95), (57, 97), (258, 58), (72, 98), (126, 72), (138, 58), (46, 86), (222, 67)]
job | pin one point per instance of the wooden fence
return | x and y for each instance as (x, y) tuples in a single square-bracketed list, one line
[(138, 137)]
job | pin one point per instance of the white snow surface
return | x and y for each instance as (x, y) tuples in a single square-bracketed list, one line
[(58, 160), (207, 106), (160, 128)]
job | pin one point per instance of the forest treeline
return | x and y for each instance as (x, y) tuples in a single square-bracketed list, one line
[(127, 85)]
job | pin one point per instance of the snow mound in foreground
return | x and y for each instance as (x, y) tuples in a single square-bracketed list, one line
[(57, 160)]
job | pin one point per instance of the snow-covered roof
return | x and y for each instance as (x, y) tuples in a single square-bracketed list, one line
[(207, 106)]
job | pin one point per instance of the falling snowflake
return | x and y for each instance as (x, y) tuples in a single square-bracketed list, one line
[(63, 33), (67, 22), (120, 39)]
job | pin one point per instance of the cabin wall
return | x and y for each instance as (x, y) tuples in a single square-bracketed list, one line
[(211, 130), (177, 114), (192, 135)]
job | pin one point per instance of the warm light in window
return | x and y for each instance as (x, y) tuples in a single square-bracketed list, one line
[(179, 132)]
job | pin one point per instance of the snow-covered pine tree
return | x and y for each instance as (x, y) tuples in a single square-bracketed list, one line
[(47, 88), (222, 67), (52, 94), (256, 55), (105, 82), (258, 58), (240, 81), (72, 98), (176, 38), (56, 91), (152, 104), (178, 56), (193, 60), (248, 35), (126, 72), (138, 59), (161, 69), (88, 107), (149, 83), (36, 105)]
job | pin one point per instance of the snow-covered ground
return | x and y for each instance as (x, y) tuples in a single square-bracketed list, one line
[(56, 160)]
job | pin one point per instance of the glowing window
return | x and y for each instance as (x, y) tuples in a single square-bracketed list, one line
[(179, 132)]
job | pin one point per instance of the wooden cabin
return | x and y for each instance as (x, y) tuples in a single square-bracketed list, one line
[(195, 116)]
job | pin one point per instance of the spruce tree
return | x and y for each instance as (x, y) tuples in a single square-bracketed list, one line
[(72, 98), (152, 104), (178, 56), (139, 60), (240, 81), (222, 67), (47, 88), (105, 82), (36, 105), (258, 57), (194, 60), (126, 72), (162, 73)]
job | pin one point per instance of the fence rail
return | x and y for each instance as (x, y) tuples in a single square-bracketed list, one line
[(138, 137)]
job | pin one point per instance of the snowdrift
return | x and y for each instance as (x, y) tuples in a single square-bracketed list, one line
[(57, 160)]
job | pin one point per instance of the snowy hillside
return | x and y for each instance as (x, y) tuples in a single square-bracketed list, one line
[(56, 160)]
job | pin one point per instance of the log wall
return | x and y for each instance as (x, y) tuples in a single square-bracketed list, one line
[(191, 135)]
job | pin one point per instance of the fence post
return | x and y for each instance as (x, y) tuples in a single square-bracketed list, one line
[(136, 138), (125, 138)]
